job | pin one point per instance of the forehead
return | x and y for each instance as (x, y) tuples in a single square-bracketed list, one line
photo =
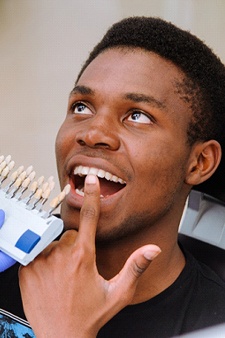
[(136, 67)]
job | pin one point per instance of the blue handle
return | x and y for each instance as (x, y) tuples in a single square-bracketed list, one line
[(2, 217), (5, 260)]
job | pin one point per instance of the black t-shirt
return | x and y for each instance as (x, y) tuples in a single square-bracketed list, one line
[(194, 301)]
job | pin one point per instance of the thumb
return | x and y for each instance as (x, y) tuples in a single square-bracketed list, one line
[(139, 261), (126, 281)]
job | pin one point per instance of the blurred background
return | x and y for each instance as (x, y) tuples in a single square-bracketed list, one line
[(43, 44)]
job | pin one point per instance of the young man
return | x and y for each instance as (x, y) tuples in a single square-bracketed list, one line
[(144, 125)]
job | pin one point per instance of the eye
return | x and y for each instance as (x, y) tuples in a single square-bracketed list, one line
[(80, 108), (139, 117)]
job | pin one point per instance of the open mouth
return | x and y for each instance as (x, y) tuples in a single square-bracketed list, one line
[(109, 183)]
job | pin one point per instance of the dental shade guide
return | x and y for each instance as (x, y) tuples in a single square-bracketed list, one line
[(28, 228)]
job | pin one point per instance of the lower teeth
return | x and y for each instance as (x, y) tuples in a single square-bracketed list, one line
[(81, 192)]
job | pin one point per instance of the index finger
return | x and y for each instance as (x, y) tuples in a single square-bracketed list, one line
[(90, 210)]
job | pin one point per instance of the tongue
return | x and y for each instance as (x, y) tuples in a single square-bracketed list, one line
[(109, 187)]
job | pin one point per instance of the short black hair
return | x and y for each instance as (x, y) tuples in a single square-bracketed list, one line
[(204, 83)]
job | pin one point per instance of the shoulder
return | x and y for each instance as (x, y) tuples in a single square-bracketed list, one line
[(206, 288), (205, 276)]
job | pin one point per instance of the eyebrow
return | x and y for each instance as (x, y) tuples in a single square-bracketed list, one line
[(134, 97), (82, 90)]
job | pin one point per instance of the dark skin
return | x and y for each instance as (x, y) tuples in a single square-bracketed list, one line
[(135, 128)]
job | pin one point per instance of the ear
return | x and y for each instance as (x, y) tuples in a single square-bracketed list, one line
[(203, 161)]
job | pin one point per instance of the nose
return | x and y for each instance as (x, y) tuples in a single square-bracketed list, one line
[(99, 132)]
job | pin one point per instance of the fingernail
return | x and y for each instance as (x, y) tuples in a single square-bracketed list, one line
[(152, 253), (91, 179)]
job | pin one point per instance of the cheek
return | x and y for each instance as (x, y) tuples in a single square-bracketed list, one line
[(161, 169), (58, 144)]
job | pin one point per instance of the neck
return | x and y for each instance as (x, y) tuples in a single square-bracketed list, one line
[(162, 272)]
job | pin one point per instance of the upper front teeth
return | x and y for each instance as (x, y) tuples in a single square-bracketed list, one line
[(83, 171)]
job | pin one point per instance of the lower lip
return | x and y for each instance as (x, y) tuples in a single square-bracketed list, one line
[(73, 199)]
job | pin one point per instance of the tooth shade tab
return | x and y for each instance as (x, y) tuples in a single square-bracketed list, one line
[(21, 188), (32, 175), (8, 159), (67, 189), (20, 170), (11, 165), (40, 180), (29, 170)]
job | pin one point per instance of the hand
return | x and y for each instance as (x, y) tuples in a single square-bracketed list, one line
[(5, 260), (63, 294)]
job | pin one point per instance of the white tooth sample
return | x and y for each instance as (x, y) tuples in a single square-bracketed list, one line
[(61, 196), (67, 189), (40, 180), (50, 179), (45, 194), (5, 172), (51, 185), (54, 202), (8, 159), (20, 169), (34, 186), (18, 182), (45, 186), (32, 175), (29, 170), (14, 176), (23, 175), (11, 165), (26, 182), (3, 165), (1, 158), (38, 193)]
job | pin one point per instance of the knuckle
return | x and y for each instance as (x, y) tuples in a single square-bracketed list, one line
[(55, 253), (80, 254), (90, 193), (137, 270)]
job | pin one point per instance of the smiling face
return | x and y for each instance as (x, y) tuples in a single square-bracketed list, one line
[(127, 124)]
